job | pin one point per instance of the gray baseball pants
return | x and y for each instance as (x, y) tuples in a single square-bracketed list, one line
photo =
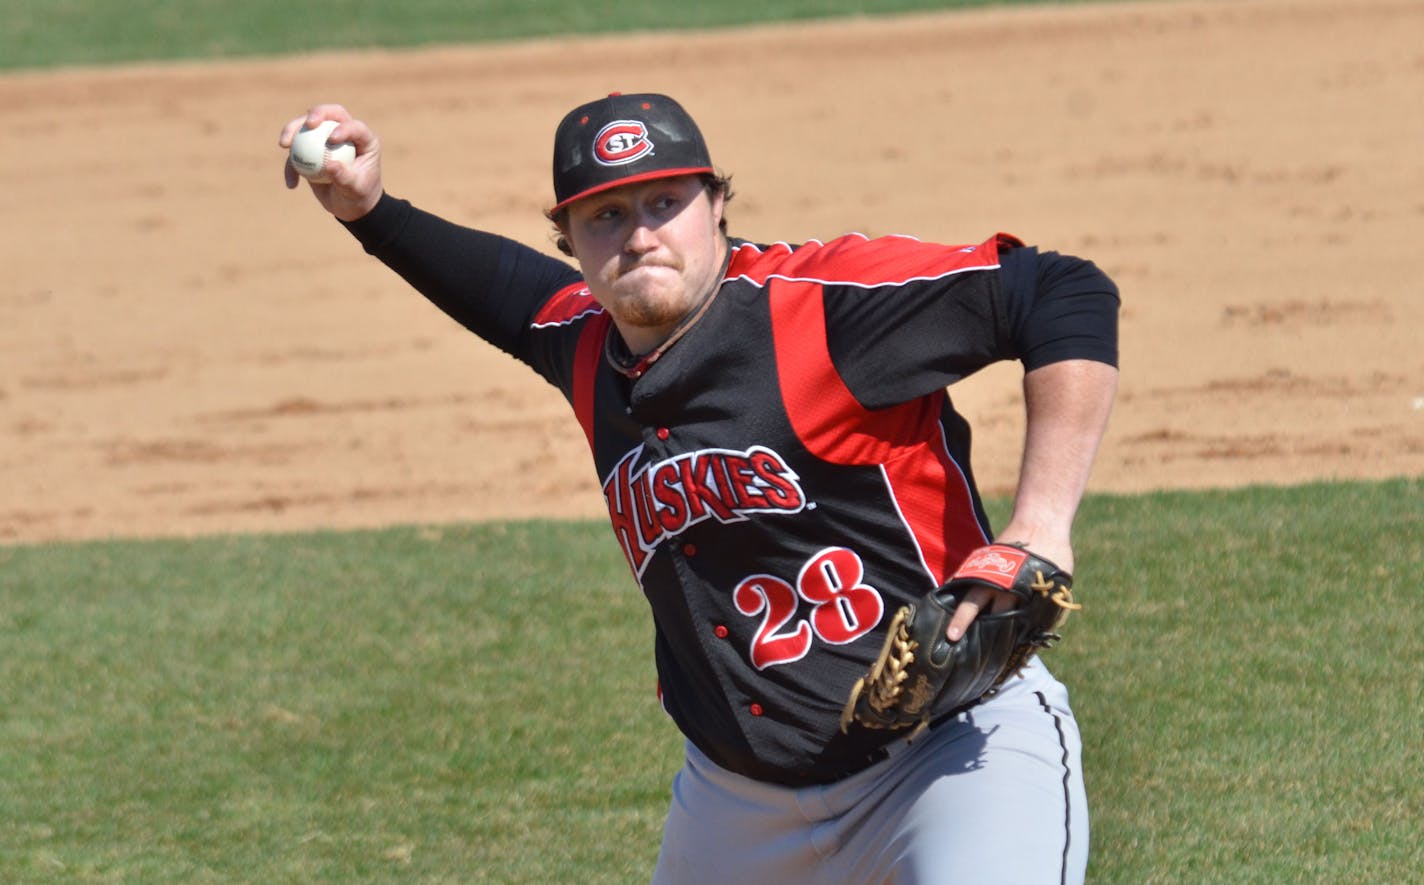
[(994, 795)]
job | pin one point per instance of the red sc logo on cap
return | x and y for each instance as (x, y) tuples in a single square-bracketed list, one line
[(620, 142)]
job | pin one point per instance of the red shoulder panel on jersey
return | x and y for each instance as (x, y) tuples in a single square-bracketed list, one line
[(855, 260), (567, 305)]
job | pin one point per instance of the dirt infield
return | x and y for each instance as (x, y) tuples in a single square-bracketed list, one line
[(187, 348)]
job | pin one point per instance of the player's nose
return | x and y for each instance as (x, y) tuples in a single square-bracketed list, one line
[(641, 239)]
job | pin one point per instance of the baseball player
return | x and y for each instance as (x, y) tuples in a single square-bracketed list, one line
[(783, 470)]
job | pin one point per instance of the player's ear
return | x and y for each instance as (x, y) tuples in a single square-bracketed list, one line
[(563, 242), (717, 196)]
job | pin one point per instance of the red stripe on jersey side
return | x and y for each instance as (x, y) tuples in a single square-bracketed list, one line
[(934, 501), (586, 360), (565, 306), (906, 441)]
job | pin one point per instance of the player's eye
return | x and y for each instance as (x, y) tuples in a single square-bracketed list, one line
[(608, 213)]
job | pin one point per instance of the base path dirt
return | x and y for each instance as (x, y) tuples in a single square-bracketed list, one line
[(188, 348)]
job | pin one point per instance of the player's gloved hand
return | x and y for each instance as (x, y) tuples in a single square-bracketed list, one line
[(921, 672), (355, 187), (1052, 546)]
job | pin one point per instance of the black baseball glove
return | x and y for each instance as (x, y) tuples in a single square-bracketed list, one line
[(920, 673)]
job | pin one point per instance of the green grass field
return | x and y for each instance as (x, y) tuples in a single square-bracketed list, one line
[(404, 704), (43, 33)]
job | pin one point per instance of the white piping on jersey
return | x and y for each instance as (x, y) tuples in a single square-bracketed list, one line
[(853, 283), (569, 321)]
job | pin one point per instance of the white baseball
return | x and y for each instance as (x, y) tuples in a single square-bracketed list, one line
[(311, 154)]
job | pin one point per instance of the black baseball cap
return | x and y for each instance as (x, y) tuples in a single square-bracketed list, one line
[(624, 139)]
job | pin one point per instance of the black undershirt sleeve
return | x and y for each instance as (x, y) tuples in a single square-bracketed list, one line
[(1058, 308), (490, 284)]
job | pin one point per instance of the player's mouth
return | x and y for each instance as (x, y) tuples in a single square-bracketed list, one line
[(644, 269), (646, 265)]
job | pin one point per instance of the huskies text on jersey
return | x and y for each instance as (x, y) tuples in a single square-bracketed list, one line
[(663, 499)]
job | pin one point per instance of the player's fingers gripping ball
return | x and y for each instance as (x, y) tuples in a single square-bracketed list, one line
[(312, 155), (920, 673)]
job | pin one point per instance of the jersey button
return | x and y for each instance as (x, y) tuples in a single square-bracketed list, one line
[(664, 433), (755, 709), (720, 631), (689, 549)]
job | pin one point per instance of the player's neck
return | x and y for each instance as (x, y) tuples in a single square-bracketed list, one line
[(632, 351)]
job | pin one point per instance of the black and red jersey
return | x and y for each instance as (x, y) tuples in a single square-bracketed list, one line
[(792, 470)]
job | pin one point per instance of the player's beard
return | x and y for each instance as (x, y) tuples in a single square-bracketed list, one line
[(655, 300)]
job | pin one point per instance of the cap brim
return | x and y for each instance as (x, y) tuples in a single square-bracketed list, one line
[(632, 179)]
